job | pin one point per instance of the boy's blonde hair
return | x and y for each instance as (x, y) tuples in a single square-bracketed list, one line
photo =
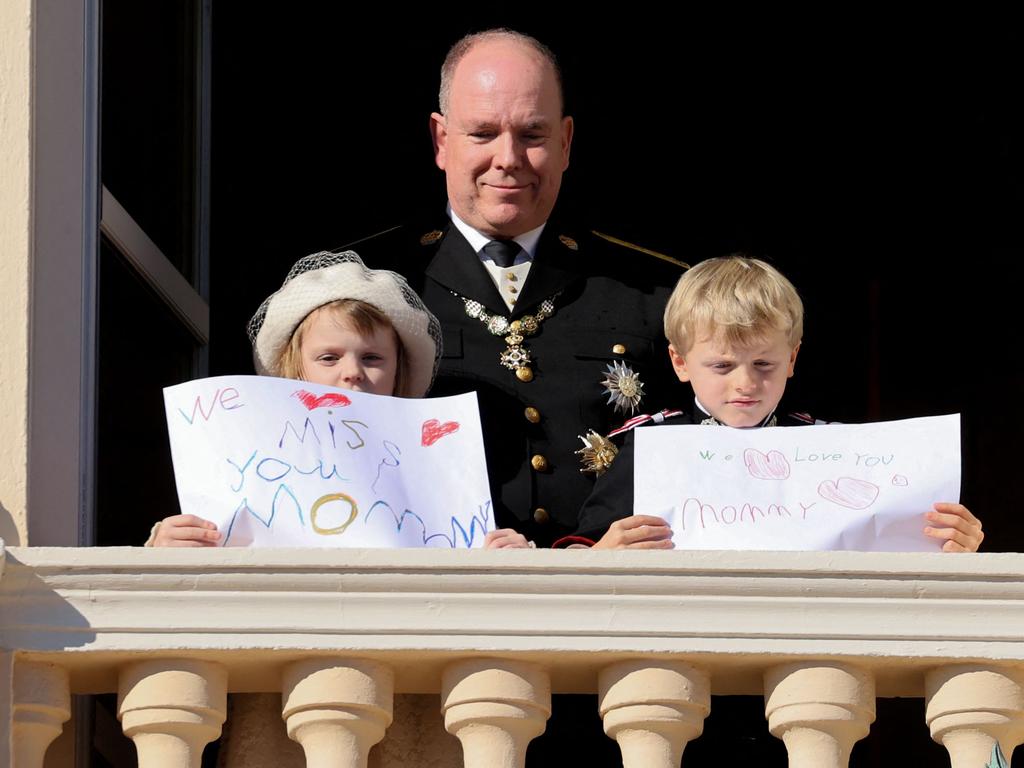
[(735, 299), (365, 319)]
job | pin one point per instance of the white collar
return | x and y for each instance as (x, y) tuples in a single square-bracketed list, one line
[(769, 420), (477, 240)]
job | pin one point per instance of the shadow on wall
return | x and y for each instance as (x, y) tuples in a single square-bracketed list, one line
[(9, 533)]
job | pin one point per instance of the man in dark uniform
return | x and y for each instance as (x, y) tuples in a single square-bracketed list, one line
[(557, 330)]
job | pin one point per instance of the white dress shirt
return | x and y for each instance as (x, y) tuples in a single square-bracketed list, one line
[(508, 280)]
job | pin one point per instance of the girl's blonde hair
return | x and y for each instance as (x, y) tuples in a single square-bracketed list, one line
[(365, 319)]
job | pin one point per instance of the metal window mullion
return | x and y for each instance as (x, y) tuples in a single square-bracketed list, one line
[(154, 268), (201, 168)]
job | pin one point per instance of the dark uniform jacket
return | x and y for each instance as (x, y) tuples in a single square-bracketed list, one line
[(609, 305), (612, 497)]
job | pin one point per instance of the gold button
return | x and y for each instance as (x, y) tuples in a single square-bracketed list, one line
[(619, 349), (513, 289), (524, 374), (539, 463), (512, 277), (532, 415), (541, 516)]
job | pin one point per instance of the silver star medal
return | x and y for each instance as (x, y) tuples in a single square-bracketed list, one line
[(624, 387)]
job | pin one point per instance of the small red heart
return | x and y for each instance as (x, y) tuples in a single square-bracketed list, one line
[(434, 430), (770, 466), (330, 400)]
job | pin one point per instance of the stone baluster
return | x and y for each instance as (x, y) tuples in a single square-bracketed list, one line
[(337, 709), (653, 709), (171, 709), (41, 705), (820, 710), (971, 708), (495, 707)]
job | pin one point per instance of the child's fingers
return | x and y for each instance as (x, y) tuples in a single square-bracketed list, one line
[(956, 524), (650, 520), (957, 540), (941, 520), (956, 510), (630, 532), (952, 546), (505, 538), (193, 521), (658, 544), (646, 532), (186, 531), (189, 536), (188, 543)]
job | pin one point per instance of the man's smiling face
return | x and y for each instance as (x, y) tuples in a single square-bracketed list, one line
[(503, 143)]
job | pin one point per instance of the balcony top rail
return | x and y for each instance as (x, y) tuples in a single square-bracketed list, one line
[(897, 615)]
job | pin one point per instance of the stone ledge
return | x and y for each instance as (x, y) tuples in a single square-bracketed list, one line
[(731, 612)]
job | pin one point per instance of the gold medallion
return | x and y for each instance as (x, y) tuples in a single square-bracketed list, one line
[(516, 355), (597, 453)]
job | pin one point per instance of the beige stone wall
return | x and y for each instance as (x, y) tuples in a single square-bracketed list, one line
[(15, 258)]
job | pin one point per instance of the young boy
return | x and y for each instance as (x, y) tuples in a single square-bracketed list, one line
[(734, 327)]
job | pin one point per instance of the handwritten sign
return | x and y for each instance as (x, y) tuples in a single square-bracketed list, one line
[(276, 462), (828, 487)]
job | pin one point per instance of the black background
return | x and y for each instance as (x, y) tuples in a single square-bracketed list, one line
[(876, 162)]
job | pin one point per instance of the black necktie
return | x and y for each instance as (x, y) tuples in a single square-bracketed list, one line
[(502, 252)]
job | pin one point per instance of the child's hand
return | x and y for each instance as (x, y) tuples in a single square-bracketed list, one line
[(637, 532), (186, 531), (506, 538), (955, 523)]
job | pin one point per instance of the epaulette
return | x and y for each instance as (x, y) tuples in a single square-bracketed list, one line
[(431, 237), (640, 249), (598, 451)]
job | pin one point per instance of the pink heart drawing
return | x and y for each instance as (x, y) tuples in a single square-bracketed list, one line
[(772, 466), (900, 480), (849, 492), (434, 430), (330, 400)]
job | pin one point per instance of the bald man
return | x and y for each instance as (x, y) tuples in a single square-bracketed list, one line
[(557, 329)]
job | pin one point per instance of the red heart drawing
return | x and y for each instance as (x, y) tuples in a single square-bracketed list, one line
[(330, 400), (772, 466), (849, 492), (434, 430)]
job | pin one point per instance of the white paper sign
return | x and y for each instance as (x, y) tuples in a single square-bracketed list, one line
[(277, 462), (828, 487)]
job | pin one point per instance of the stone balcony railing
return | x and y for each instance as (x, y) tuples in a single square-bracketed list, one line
[(340, 632)]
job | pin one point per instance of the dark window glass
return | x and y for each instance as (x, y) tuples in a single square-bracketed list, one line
[(143, 348), (147, 94)]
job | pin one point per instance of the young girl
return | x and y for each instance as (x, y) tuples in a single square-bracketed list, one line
[(336, 322)]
